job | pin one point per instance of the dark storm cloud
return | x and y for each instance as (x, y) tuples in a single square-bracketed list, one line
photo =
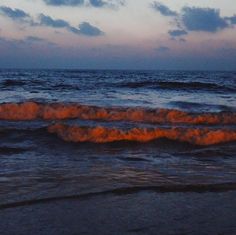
[(203, 19), (177, 32), (64, 2), (163, 9), (13, 13)]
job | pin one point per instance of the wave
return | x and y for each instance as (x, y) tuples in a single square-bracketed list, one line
[(5, 150), (66, 87), (11, 83), (186, 105), (178, 85), (198, 136), (58, 111), (178, 188)]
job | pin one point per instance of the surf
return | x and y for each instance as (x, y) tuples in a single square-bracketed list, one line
[(59, 111)]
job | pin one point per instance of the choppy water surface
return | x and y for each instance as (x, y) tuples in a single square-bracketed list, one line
[(66, 133)]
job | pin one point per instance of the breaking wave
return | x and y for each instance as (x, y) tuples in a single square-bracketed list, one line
[(59, 111), (198, 136), (124, 123)]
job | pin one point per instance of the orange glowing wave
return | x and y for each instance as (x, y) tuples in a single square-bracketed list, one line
[(60, 111), (198, 136)]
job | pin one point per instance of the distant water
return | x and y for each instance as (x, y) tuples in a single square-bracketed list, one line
[(191, 91), (69, 132)]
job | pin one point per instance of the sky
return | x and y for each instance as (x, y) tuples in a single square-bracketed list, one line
[(118, 34)]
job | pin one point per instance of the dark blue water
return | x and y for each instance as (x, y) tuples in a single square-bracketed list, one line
[(206, 91), (35, 164)]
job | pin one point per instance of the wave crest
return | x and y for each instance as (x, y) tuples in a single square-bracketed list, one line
[(60, 111), (198, 136)]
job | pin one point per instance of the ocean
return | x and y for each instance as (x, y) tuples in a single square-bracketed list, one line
[(117, 152)]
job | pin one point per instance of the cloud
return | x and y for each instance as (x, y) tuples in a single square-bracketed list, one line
[(177, 32), (64, 2), (182, 40), (34, 39), (92, 3), (48, 21), (203, 19), (87, 29), (24, 43), (37, 41), (163, 9), (231, 19), (178, 39), (15, 14), (98, 3), (110, 4), (84, 28), (54, 23), (162, 49), (195, 19)]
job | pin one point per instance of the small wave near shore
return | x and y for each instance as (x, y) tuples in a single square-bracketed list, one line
[(194, 128), (198, 136), (60, 111)]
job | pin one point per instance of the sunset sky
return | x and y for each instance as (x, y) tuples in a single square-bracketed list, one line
[(118, 34)]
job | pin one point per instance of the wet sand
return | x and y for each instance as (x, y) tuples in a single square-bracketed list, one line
[(129, 213)]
